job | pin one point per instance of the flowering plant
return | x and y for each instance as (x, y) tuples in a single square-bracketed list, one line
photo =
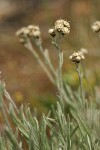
[(74, 123)]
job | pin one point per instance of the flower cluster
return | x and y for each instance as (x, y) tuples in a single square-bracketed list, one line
[(96, 26), (28, 32), (83, 51), (61, 27), (34, 31), (77, 57)]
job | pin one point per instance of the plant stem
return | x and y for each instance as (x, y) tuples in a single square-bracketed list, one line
[(60, 63), (84, 71), (60, 68), (47, 59), (80, 81), (30, 47)]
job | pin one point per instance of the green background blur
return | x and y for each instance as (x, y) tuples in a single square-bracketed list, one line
[(25, 80)]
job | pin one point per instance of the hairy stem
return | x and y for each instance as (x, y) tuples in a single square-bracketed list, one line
[(30, 47), (60, 68), (80, 81), (47, 59), (60, 63)]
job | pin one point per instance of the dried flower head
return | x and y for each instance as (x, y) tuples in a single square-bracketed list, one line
[(22, 34), (62, 26), (29, 32), (96, 26), (52, 32), (83, 51), (34, 31), (76, 57)]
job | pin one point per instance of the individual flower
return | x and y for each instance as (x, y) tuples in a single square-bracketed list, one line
[(83, 51), (77, 57), (96, 26), (23, 34), (34, 31), (52, 32)]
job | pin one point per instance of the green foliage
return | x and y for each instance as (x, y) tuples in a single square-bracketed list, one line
[(65, 130)]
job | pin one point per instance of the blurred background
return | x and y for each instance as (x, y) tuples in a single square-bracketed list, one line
[(25, 80)]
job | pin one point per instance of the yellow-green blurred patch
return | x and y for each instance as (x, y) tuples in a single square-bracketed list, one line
[(19, 96)]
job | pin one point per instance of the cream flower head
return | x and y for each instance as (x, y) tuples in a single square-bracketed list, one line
[(77, 57), (61, 27), (96, 26)]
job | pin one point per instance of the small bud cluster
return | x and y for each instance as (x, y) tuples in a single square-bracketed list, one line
[(61, 27), (34, 31), (31, 31), (96, 26), (52, 32), (83, 51), (77, 57), (22, 34)]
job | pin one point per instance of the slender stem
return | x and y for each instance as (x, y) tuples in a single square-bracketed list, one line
[(30, 47), (60, 62), (47, 60), (84, 71), (60, 68), (80, 81)]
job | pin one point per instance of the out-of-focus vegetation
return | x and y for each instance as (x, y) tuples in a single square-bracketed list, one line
[(25, 79)]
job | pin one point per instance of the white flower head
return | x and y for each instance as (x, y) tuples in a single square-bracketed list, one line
[(96, 26), (77, 57), (62, 26)]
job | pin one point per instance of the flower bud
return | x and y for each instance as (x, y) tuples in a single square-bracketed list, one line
[(52, 32), (96, 26)]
